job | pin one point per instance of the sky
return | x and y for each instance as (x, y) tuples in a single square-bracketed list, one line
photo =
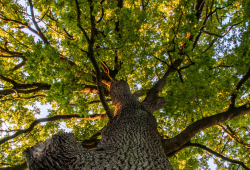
[(44, 108)]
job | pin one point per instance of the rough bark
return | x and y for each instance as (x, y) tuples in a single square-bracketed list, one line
[(129, 141)]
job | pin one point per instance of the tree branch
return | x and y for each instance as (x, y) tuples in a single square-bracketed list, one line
[(233, 135), (23, 166), (217, 154), (94, 62), (17, 98), (152, 100), (19, 23), (238, 85), (39, 32), (54, 118), (20, 65), (2, 77), (79, 21), (178, 141)]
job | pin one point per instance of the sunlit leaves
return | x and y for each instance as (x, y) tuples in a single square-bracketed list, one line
[(146, 36)]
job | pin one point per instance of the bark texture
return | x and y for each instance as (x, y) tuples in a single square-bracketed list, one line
[(129, 141)]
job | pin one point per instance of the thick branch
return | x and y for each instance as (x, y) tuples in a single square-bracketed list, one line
[(23, 166), (16, 89), (199, 8), (178, 141), (54, 118), (152, 100), (217, 154), (2, 77)]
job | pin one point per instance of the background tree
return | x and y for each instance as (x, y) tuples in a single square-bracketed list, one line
[(186, 61)]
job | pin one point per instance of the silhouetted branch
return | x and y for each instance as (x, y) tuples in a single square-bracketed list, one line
[(23, 166), (79, 21), (232, 135), (2, 77), (39, 32), (178, 141), (152, 100), (20, 65), (54, 118), (238, 85), (17, 98), (217, 154)]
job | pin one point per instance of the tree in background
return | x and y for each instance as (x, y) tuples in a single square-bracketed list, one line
[(138, 82)]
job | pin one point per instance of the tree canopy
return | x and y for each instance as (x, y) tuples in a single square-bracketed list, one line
[(65, 53)]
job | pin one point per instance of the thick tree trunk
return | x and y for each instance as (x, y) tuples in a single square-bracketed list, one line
[(130, 141)]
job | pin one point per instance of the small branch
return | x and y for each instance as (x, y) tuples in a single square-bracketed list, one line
[(17, 98), (54, 118), (217, 154), (15, 38), (92, 142), (39, 32), (14, 54), (216, 35), (164, 63), (18, 66), (233, 135), (20, 23), (79, 21), (238, 85), (100, 19), (211, 44), (94, 89)]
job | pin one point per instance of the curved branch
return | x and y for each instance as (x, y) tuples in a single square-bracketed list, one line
[(178, 141), (54, 118), (232, 135), (238, 85), (217, 154), (19, 23), (2, 77)]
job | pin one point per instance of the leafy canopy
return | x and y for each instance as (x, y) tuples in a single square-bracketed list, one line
[(43, 60)]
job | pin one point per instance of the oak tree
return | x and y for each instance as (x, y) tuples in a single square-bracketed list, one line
[(147, 84)]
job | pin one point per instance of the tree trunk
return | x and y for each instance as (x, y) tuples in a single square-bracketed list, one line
[(130, 141)]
